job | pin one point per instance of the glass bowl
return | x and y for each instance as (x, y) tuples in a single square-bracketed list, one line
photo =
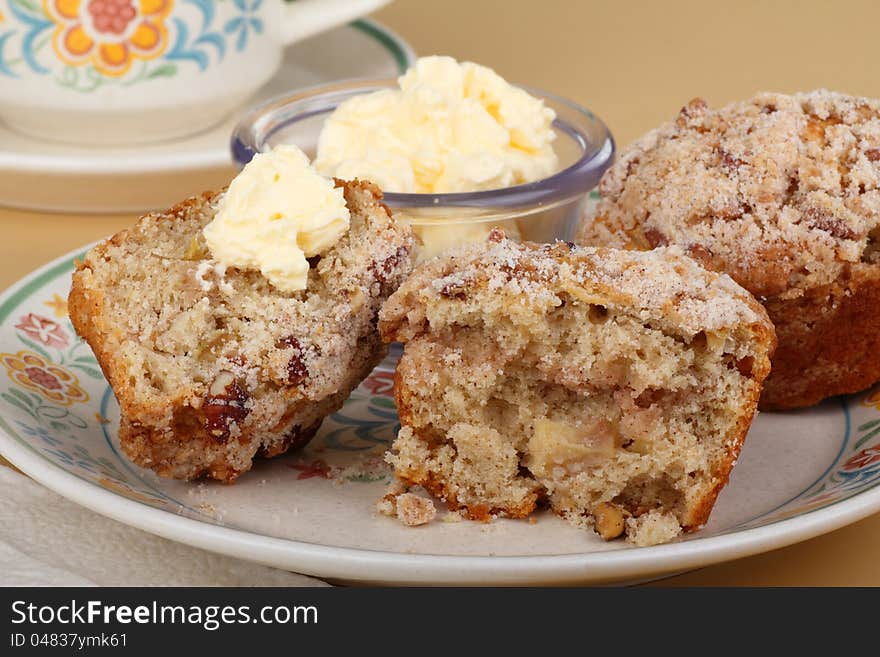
[(540, 211)]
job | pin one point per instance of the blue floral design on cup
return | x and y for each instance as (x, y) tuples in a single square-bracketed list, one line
[(246, 23)]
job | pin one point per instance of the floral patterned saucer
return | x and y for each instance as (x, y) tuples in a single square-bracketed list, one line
[(800, 474)]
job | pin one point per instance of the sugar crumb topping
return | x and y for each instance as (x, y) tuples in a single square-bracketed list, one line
[(651, 283), (781, 191)]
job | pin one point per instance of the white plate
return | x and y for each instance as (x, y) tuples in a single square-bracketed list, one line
[(800, 474), (44, 175)]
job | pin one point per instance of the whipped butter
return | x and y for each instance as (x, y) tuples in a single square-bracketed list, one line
[(450, 127), (277, 212)]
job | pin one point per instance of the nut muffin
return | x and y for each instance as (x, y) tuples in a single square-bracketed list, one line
[(214, 366), (782, 193), (615, 385)]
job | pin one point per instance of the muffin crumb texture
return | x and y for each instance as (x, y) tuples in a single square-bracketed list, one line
[(614, 386), (214, 366)]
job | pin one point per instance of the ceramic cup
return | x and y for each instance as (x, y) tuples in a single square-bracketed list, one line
[(134, 71)]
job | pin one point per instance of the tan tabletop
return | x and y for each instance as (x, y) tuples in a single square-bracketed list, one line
[(634, 64)]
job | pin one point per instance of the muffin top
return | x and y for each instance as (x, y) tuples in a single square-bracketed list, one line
[(781, 192), (518, 283)]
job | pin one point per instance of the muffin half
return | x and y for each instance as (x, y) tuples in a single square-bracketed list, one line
[(212, 366), (617, 386)]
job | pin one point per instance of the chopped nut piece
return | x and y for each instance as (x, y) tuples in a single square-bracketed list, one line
[(609, 521), (297, 372), (716, 340), (356, 299), (220, 384), (386, 267), (693, 110), (824, 220), (224, 406)]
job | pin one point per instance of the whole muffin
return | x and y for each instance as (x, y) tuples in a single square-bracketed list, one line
[(214, 366), (615, 386), (782, 193)]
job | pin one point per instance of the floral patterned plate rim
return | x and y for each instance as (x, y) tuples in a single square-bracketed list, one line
[(801, 474)]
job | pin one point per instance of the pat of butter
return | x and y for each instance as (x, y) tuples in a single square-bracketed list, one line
[(450, 127), (276, 213)]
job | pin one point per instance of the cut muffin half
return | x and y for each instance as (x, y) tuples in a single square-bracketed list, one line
[(211, 366), (618, 386)]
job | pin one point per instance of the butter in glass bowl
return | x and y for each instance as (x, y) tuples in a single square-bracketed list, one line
[(455, 149)]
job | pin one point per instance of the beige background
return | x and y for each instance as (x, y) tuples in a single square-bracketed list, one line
[(634, 64)]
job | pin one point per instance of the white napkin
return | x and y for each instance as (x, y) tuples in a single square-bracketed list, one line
[(47, 541)]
